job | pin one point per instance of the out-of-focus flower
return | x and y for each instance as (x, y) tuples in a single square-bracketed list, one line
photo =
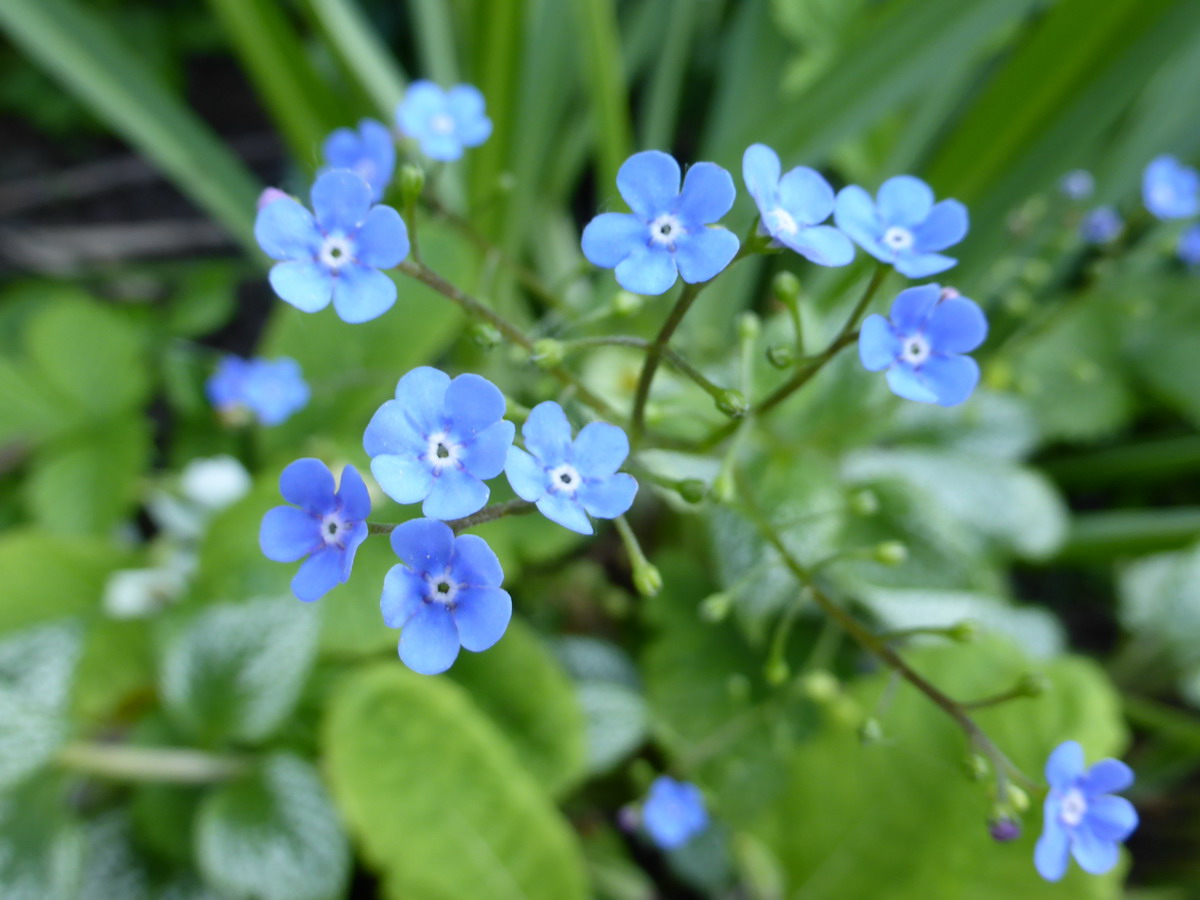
[(674, 812), (368, 151), (1102, 225), (1078, 184), (1188, 247), (270, 390), (1170, 189), (215, 482), (443, 122)]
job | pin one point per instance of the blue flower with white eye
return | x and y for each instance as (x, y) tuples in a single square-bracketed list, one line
[(903, 226), (269, 389), (793, 206), (438, 441), (921, 345), (1188, 247), (443, 122), (667, 233), (568, 480), (446, 595), (338, 254), (674, 812), (1078, 184), (1170, 189), (327, 526), (369, 152), (1102, 225), (1083, 818)]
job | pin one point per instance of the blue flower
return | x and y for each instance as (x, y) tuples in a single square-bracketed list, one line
[(1082, 817), (443, 122), (793, 206), (1170, 189), (445, 595), (920, 347), (327, 527), (674, 812), (570, 479), (336, 255), (1078, 184), (438, 441), (270, 389), (903, 226), (368, 152), (1188, 247), (666, 233), (1101, 225)]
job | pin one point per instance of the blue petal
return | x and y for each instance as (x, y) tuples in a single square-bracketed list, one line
[(422, 101), (424, 545), (956, 325), (907, 383), (702, 254), (354, 496), (274, 389), (392, 431), (647, 270), (806, 195), (945, 226), (912, 307), (952, 378), (922, 265), (403, 593), (342, 148), (482, 615), (708, 193), (599, 449), (1094, 854), (1064, 765), (1106, 777), (1111, 818), (382, 241), (472, 404), (1051, 855), (475, 563), (429, 642), (358, 534), (878, 345), (905, 201), (308, 483), (760, 172), (547, 434), (566, 511), (288, 534), (421, 394), (361, 293), (466, 105), (340, 198), (821, 244), (610, 237), (485, 455), (649, 183), (305, 284), (526, 475), (318, 575), (286, 230), (609, 497), (442, 147), (854, 213), (404, 478), (455, 493)]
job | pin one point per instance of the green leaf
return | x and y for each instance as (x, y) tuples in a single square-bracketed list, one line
[(273, 835), (235, 672), (41, 848), (596, 22), (362, 51), (524, 689), (471, 823), (837, 819), (1160, 604), (111, 865), (49, 576), (616, 715)]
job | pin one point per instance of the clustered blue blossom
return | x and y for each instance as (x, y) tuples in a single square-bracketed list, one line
[(1078, 184), (369, 152), (1083, 818), (443, 122), (1102, 225), (1170, 189), (674, 812), (270, 390)]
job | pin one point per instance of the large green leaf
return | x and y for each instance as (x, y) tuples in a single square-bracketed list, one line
[(49, 576), (41, 848), (610, 694), (436, 797)]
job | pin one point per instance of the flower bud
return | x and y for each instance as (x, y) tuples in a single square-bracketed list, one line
[(692, 490), (781, 356), (964, 632), (548, 353), (1017, 798), (412, 182), (1032, 684), (890, 553), (870, 731), (627, 304), (732, 403), (819, 685), (647, 579), (864, 503), (485, 335), (1004, 829), (786, 288), (976, 766), (749, 326), (716, 607)]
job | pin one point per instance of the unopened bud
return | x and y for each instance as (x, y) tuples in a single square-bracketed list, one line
[(749, 326), (1004, 830), (1033, 684), (732, 403), (692, 489), (819, 686), (864, 503), (412, 182), (485, 335), (270, 195), (870, 731), (1017, 798), (976, 767), (627, 304), (890, 553), (786, 288), (964, 632), (781, 356), (716, 607), (776, 671), (647, 579), (547, 353)]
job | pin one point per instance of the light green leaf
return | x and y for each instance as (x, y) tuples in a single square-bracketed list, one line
[(362, 51), (436, 797), (1160, 604), (49, 577), (617, 719)]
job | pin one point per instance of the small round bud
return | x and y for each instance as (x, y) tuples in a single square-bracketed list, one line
[(776, 671), (1017, 798), (647, 579), (485, 335), (1004, 829), (819, 685), (715, 607), (864, 503), (412, 182), (1033, 684), (548, 353), (890, 553), (786, 288), (870, 731), (732, 403), (626, 304), (749, 326), (270, 195), (781, 356), (1019, 302), (964, 632), (692, 489), (976, 766), (724, 486)]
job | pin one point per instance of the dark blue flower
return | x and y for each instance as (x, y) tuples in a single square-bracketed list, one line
[(443, 122), (920, 346), (338, 254), (369, 152), (666, 234), (327, 527), (1170, 189), (446, 595), (1082, 816), (1078, 184), (1101, 225), (438, 441), (674, 812), (1188, 247), (903, 226), (568, 480), (269, 389), (793, 206)]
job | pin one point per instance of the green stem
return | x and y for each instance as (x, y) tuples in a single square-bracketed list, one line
[(151, 764), (515, 507), (995, 699), (380, 527), (675, 359), (655, 353)]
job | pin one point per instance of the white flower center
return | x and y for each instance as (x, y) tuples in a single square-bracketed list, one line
[(442, 588), (337, 251), (898, 238), (914, 349), (564, 479), (783, 221), (333, 529), (442, 452), (665, 230), (1072, 808), (442, 123)]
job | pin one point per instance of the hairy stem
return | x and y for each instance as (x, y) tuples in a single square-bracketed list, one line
[(515, 507), (124, 763), (675, 359), (654, 356)]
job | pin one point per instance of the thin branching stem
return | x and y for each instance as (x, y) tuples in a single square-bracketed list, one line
[(170, 764)]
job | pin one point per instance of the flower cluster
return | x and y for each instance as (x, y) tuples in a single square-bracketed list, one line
[(268, 390)]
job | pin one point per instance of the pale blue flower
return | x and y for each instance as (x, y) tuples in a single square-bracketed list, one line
[(368, 151), (269, 389), (443, 122), (1078, 184), (674, 812), (1102, 225), (1170, 189)]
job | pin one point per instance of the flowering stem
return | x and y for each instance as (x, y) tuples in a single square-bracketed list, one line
[(171, 764), (655, 353), (516, 507), (380, 527), (676, 360)]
